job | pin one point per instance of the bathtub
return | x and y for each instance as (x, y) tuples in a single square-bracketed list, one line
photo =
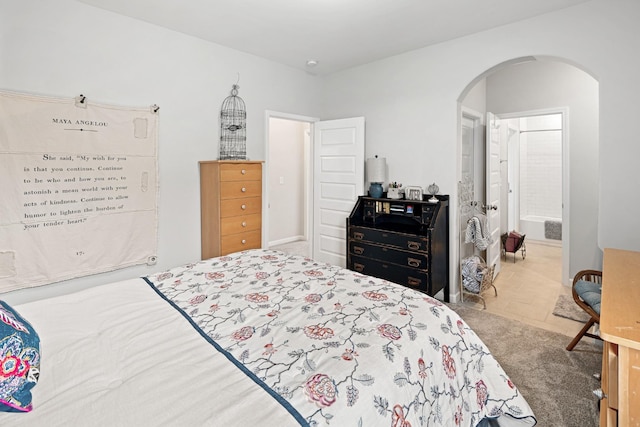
[(541, 228)]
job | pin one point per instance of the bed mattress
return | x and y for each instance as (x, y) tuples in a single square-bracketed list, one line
[(262, 338)]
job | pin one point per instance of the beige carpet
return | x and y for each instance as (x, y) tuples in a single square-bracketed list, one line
[(557, 383)]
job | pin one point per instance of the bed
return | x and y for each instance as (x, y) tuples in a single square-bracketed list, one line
[(262, 338)]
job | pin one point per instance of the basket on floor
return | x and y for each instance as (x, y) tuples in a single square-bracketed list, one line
[(513, 242), (477, 277)]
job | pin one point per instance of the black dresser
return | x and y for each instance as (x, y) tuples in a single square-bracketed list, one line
[(403, 241)]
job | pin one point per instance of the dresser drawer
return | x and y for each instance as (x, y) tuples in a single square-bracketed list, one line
[(240, 224), (399, 240), (237, 207), (239, 189), (240, 172), (240, 242), (387, 254), (406, 276)]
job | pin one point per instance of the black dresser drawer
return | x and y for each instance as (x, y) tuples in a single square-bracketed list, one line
[(406, 276), (409, 242), (388, 254)]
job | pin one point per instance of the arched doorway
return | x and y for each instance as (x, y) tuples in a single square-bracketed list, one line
[(531, 86)]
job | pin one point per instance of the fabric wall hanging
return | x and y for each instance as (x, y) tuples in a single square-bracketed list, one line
[(233, 127), (79, 188)]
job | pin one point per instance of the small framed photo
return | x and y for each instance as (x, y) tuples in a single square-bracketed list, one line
[(413, 193)]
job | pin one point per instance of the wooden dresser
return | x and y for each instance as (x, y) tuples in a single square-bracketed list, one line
[(403, 241), (620, 330), (230, 206)]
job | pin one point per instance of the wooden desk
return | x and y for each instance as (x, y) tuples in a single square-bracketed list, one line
[(620, 330)]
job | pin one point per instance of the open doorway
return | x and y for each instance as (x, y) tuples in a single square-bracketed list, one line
[(288, 183), (537, 87), (533, 180), (327, 177)]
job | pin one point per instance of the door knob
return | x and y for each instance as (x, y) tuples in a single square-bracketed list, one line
[(599, 394)]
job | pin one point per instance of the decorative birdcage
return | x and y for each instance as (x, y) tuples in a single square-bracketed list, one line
[(233, 127)]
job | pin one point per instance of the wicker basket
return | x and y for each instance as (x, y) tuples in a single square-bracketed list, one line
[(486, 283)]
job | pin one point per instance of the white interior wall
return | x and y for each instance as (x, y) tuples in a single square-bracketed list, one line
[(64, 48), (541, 167), (286, 180), (410, 102)]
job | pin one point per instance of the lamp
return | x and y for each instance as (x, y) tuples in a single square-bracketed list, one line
[(376, 172)]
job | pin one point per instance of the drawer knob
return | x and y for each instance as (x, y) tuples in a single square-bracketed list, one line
[(412, 262), (413, 245), (599, 394), (244, 223), (243, 207), (244, 241), (358, 235), (243, 171), (358, 250), (243, 189)]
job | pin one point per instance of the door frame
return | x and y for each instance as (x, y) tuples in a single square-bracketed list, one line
[(565, 278), (308, 202)]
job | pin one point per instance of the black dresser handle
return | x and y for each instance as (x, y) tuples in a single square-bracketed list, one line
[(358, 235), (413, 281), (412, 262), (413, 245), (358, 250)]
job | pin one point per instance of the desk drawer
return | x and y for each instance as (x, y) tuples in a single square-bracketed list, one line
[(236, 207), (240, 189), (387, 254), (403, 241), (240, 224), (406, 276), (240, 242), (240, 172)]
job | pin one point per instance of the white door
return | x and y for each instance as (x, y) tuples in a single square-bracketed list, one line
[(338, 180), (493, 180)]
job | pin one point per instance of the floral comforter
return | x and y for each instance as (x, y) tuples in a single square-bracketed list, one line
[(338, 347)]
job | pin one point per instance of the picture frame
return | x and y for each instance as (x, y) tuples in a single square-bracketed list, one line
[(413, 193)]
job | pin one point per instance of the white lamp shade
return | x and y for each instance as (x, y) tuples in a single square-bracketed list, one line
[(376, 169)]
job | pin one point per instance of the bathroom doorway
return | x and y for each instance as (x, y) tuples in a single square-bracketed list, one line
[(538, 86)]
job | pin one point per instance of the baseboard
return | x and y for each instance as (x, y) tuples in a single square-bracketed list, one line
[(286, 240)]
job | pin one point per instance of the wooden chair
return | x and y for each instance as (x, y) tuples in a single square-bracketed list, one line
[(586, 289)]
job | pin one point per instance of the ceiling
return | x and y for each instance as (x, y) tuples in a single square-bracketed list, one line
[(338, 34)]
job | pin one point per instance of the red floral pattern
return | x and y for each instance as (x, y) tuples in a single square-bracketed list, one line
[(257, 297), (321, 390), (389, 331), (318, 332), (482, 394), (448, 363), (313, 298), (398, 419), (343, 348), (374, 296), (244, 333)]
